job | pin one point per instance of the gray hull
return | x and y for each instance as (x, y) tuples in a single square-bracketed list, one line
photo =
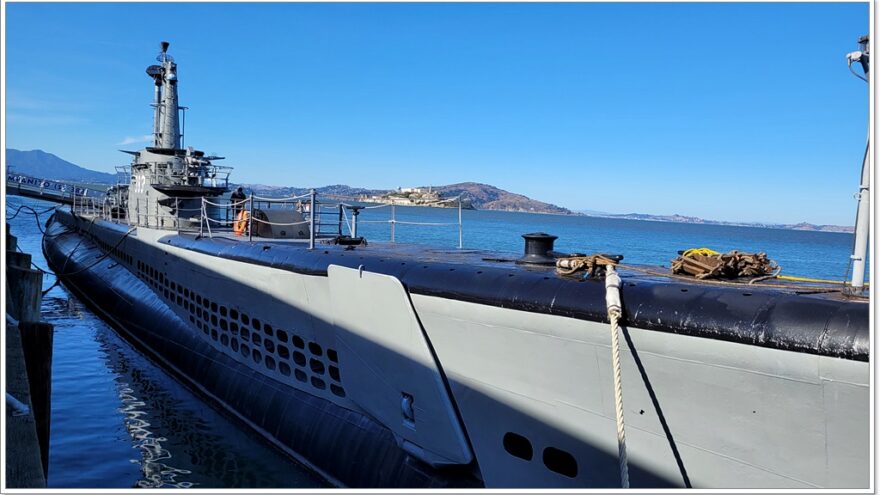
[(374, 378)]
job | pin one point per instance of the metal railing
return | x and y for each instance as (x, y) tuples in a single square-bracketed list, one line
[(393, 221), (224, 216), (165, 174)]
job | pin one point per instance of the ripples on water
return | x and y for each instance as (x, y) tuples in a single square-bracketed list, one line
[(120, 421)]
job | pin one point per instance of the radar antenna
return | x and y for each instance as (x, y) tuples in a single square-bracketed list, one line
[(163, 55)]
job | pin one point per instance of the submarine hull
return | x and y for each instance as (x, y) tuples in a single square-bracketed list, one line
[(437, 374), (345, 447)]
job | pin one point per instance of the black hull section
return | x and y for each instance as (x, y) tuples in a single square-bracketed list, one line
[(346, 447)]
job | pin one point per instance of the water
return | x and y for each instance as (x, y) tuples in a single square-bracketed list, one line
[(800, 253), (118, 421)]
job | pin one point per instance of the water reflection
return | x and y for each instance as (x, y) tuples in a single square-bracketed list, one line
[(183, 443), (157, 474)]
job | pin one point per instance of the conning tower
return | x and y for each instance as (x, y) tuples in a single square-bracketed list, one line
[(167, 182)]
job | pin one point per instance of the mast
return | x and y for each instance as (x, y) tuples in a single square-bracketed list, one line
[(860, 244), (166, 126)]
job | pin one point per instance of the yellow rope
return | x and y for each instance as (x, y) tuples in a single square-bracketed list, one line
[(814, 280), (703, 250), (710, 252)]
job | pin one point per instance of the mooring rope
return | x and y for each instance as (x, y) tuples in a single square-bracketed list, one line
[(615, 311)]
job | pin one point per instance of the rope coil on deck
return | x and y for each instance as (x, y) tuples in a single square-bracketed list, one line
[(702, 263), (590, 264)]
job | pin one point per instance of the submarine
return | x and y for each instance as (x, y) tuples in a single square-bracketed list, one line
[(400, 366)]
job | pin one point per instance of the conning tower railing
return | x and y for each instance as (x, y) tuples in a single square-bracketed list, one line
[(247, 218)]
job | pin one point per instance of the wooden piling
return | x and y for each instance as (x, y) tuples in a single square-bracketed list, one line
[(28, 372), (36, 342), (24, 296), (24, 465)]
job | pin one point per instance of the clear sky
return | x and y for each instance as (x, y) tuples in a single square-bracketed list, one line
[(741, 112)]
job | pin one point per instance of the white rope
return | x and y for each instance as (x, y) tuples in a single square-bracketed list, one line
[(279, 200), (231, 203), (280, 224), (612, 300), (432, 224), (366, 207)]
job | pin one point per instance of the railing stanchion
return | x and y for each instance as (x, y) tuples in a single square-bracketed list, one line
[(393, 220), (207, 220), (250, 223), (341, 214), (311, 219), (202, 219), (459, 221)]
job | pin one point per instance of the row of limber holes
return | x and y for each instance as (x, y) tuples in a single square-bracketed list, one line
[(235, 330), (115, 252), (556, 460)]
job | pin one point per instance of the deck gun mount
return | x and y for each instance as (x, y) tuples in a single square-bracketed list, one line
[(166, 181)]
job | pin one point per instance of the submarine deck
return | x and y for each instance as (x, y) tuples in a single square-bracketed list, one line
[(479, 258), (808, 318)]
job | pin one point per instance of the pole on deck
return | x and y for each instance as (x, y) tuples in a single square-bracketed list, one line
[(860, 245), (459, 222), (311, 219), (393, 220), (250, 223)]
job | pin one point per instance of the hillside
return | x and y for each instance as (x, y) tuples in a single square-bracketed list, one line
[(38, 163), (486, 197), (481, 196), (685, 219), (336, 191)]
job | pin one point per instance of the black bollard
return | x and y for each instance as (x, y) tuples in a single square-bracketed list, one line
[(538, 249)]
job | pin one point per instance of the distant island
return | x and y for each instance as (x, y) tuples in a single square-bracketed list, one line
[(478, 196), (685, 219), (38, 163), (418, 196)]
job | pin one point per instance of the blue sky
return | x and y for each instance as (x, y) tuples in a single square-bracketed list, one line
[(742, 112)]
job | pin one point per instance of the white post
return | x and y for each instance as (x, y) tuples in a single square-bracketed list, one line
[(250, 223), (312, 219), (393, 221), (459, 222), (860, 245), (202, 219)]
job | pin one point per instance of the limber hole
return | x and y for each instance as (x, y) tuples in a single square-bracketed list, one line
[(560, 461), (518, 446)]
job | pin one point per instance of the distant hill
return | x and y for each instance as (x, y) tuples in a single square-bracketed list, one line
[(336, 191), (486, 197), (685, 219), (481, 196), (38, 163)]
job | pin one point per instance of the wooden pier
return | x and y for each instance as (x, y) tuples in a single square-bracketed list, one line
[(28, 372)]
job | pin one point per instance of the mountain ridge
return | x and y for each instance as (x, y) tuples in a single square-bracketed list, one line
[(44, 165), (676, 218)]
